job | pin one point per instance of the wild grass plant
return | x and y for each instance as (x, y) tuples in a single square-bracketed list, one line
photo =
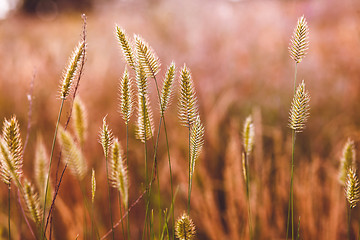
[(134, 188)]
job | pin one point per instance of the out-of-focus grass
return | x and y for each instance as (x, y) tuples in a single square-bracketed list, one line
[(238, 55)]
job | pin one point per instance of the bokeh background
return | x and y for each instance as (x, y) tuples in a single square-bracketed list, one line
[(238, 54)]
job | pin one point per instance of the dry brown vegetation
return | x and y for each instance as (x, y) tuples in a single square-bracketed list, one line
[(238, 54)]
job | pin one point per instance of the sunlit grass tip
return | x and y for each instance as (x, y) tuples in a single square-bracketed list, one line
[(72, 70), (248, 135), (125, 46), (352, 188), (299, 42), (347, 160), (106, 137), (71, 154), (185, 228), (167, 88), (32, 202), (126, 97), (80, 120), (147, 57), (188, 109), (299, 112), (118, 172), (196, 143)]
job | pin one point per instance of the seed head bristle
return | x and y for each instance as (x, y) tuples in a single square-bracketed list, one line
[(166, 90), (248, 135), (72, 70), (126, 47), (196, 143), (7, 170), (80, 121), (347, 160), (72, 155), (32, 202), (147, 57), (106, 137), (299, 112), (118, 172), (41, 169), (352, 188), (93, 185), (12, 149), (185, 228), (187, 101), (299, 42), (126, 98)]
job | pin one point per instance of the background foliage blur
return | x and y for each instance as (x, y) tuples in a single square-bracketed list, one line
[(238, 54)]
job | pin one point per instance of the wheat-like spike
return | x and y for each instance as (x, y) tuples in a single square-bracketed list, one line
[(41, 169), (32, 202), (248, 135), (93, 185), (347, 160), (299, 112), (11, 135), (147, 57), (166, 89), (188, 109), (299, 42), (145, 124), (106, 137), (125, 46), (7, 170), (72, 70), (80, 121), (72, 154), (196, 143), (118, 172), (352, 188), (126, 97), (185, 228)]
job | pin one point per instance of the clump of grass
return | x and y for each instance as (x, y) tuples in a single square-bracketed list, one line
[(185, 228)]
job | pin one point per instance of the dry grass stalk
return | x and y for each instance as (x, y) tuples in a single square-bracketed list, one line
[(299, 111), (72, 70), (347, 160), (80, 121), (188, 109), (118, 172), (299, 43), (352, 188), (185, 228), (126, 47), (93, 185), (32, 202), (72, 155), (126, 100), (166, 89)]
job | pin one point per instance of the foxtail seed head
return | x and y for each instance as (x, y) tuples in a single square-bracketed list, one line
[(299, 112), (299, 42), (185, 228), (126, 97), (147, 57), (106, 137), (166, 90), (32, 202), (197, 132), (80, 121), (347, 160), (352, 188), (125, 46), (248, 135)]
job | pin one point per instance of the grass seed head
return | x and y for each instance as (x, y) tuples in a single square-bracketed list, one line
[(299, 42), (185, 228), (352, 188), (299, 112)]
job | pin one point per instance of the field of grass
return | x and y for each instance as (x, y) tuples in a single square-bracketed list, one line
[(237, 52)]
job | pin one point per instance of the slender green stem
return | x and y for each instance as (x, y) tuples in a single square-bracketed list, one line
[(127, 166), (146, 188), (295, 78), (171, 181), (43, 233), (349, 222), (189, 187), (248, 195), (9, 188), (110, 208), (122, 222)]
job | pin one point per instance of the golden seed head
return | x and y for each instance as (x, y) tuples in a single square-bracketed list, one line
[(299, 112), (299, 42), (185, 228), (248, 135), (352, 188), (347, 160)]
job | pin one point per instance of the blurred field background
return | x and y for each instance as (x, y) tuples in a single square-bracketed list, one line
[(238, 54)]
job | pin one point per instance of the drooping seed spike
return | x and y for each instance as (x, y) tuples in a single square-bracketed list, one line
[(126, 47), (147, 57)]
